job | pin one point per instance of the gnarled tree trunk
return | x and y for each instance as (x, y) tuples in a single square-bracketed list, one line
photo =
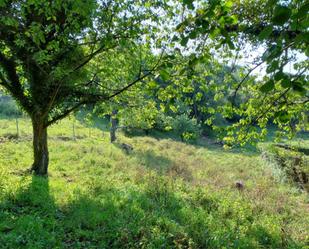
[(40, 149)]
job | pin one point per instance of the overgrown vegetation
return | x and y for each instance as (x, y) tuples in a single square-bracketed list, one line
[(289, 163), (163, 194)]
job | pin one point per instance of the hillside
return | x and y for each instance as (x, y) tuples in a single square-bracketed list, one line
[(163, 194)]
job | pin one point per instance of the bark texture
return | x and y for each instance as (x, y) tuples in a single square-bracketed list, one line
[(40, 147)]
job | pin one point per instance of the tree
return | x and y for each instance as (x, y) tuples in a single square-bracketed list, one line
[(133, 108), (46, 48), (281, 28)]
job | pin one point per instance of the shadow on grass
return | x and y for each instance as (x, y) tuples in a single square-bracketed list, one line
[(27, 216), (108, 217)]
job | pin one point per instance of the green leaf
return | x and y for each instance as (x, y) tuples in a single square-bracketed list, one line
[(273, 52), (229, 4), (184, 41), (303, 10), (266, 33), (193, 34), (271, 3), (273, 66), (286, 83), (189, 3), (283, 116), (283, 78), (214, 32), (298, 87), (268, 86), (281, 15), (205, 25), (164, 75), (152, 84), (302, 38), (194, 61), (230, 44), (280, 75), (198, 96)]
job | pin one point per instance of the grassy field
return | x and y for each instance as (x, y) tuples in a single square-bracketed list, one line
[(164, 194)]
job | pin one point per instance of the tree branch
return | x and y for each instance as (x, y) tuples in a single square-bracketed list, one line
[(243, 80), (65, 113), (92, 99), (140, 78), (13, 86)]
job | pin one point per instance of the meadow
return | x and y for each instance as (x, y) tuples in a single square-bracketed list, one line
[(163, 194)]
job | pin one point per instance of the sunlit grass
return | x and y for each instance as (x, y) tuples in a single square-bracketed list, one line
[(164, 194)]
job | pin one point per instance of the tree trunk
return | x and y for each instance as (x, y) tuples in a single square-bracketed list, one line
[(40, 149), (113, 129)]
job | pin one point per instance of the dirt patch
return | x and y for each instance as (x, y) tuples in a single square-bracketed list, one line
[(14, 138), (24, 172), (67, 178), (8, 137), (67, 138)]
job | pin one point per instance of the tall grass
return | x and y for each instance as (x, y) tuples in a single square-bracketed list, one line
[(164, 194)]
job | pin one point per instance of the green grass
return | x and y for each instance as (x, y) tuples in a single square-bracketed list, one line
[(164, 194)]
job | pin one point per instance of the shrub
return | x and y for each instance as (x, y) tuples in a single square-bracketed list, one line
[(186, 128)]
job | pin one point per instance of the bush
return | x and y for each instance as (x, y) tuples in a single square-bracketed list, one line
[(186, 128)]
